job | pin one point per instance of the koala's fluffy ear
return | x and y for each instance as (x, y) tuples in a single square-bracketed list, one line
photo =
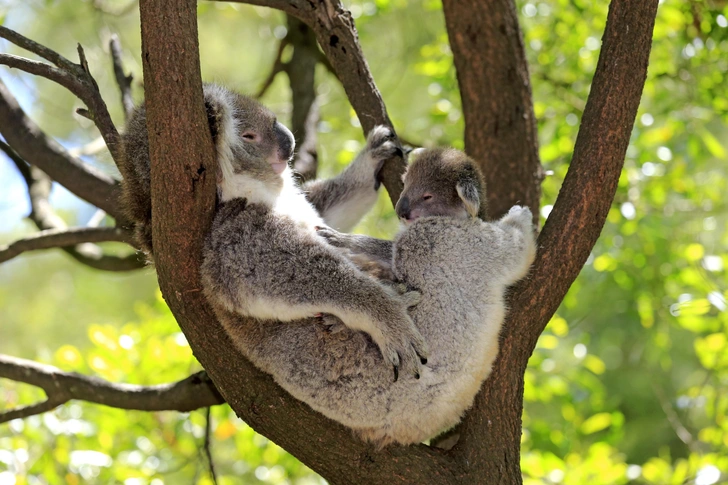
[(467, 188)]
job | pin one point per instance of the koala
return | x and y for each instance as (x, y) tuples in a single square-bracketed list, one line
[(242, 128), (459, 263), (263, 258), (442, 182)]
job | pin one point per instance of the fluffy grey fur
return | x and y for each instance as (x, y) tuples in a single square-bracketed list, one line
[(263, 257), (461, 267)]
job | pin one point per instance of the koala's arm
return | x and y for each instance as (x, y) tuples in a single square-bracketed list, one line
[(370, 254), (343, 200), (263, 267)]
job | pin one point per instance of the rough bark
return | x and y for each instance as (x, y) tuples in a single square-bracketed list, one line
[(567, 238), (489, 449)]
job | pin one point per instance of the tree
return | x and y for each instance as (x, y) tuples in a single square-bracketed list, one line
[(500, 134)]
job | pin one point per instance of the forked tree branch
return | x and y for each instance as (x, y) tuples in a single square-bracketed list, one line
[(194, 392), (177, 129), (570, 232), (76, 78), (27, 139), (45, 218)]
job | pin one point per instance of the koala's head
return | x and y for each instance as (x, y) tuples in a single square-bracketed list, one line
[(252, 146), (441, 182)]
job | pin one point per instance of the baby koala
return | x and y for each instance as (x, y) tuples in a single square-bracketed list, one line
[(460, 264)]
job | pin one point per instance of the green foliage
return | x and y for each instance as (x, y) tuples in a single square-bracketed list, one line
[(629, 381)]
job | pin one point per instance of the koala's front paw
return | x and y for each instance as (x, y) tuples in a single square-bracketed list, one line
[(382, 144), (333, 237), (403, 346), (519, 216), (409, 298)]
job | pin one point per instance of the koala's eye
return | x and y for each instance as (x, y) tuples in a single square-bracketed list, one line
[(250, 136), (426, 197)]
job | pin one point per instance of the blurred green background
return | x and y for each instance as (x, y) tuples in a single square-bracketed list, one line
[(629, 383)]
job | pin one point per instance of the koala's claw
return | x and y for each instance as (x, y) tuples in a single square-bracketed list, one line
[(396, 372), (519, 216), (334, 238)]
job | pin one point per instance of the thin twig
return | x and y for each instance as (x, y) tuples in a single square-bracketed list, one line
[(61, 238), (680, 430), (76, 78), (278, 67), (206, 445), (45, 218), (123, 80), (188, 394), (36, 48)]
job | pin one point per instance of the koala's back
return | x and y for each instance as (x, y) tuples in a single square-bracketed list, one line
[(342, 374)]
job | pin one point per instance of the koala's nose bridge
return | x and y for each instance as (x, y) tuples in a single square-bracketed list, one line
[(403, 207), (286, 142)]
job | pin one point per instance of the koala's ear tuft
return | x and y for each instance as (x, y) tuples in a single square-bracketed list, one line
[(467, 188)]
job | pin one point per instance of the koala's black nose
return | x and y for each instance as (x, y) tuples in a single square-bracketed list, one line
[(403, 208), (286, 142)]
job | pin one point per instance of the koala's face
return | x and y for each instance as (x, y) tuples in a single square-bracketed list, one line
[(440, 182), (249, 140), (262, 136)]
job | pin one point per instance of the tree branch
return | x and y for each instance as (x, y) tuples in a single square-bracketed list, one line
[(277, 68), (336, 34), (42, 214), (586, 195), (59, 238), (75, 77), (122, 79), (500, 127), (193, 392), (177, 124), (301, 71), (569, 234), (27, 139)]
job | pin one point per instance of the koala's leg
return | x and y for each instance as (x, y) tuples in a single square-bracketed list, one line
[(371, 255), (518, 250), (266, 268), (343, 200)]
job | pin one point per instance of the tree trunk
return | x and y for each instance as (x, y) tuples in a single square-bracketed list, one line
[(182, 200), (495, 88)]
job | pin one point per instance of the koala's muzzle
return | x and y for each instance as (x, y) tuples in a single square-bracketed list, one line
[(286, 142), (403, 208)]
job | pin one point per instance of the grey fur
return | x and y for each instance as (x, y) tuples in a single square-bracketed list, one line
[(263, 258), (462, 268)]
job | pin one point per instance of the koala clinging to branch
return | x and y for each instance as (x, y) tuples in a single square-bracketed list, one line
[(263, 258), (244, 129), (462, 267)]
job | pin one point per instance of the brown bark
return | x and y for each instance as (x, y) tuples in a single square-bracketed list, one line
[(183, 196), (500, 127), (567, 238), (181, 155)]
